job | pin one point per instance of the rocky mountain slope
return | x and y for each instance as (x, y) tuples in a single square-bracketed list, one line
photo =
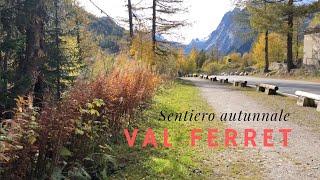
[(232, 34)]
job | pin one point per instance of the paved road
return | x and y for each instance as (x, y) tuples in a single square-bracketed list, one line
[(285, 86)]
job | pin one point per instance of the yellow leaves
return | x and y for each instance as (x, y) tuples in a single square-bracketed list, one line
[(79, 131), (315, 21), (258, 52), (182, 62), (277, 49), (141, 48), (188, 64), (32, 139), (64, 152), (193, 55), (92, 107), (180, 59), (235, 57)]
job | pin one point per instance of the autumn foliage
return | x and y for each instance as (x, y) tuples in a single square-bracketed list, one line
[(56, 139)]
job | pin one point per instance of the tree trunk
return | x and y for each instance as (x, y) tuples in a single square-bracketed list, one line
[(290, 64), (4, 92), (266, 52), (30, 71), (297, 44), (57, 46), (266, 45), (4, 88), (80, 51), (5, 60), (5, 75), (154, 26), (2, 70), (130, 19)]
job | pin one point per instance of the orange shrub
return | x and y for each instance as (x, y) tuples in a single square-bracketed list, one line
[(89, 114), (123, 91)]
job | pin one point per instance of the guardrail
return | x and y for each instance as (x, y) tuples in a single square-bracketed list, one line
[(213, 78), (240, 83), (269, 89), (224, 80), (305, 99)]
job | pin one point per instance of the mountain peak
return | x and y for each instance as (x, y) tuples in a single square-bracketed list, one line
[(228, 37)]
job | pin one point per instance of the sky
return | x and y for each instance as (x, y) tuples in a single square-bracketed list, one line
[(203, 16)]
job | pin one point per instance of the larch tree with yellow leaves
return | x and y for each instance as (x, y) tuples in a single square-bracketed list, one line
[(191, 64), (276, 52)]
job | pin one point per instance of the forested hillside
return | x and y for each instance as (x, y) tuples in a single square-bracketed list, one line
[(107, 33)]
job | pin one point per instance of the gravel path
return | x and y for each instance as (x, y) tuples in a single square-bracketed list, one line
[(300, 160)]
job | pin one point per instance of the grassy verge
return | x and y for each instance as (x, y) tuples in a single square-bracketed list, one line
[(179, 161)]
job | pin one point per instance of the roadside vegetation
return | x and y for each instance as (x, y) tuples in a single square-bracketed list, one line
[(65, 99), (71, 139), (180, 161)]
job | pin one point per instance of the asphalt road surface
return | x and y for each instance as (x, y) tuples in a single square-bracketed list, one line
[(285, 86)]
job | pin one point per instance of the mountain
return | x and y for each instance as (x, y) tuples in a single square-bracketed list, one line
[(107, 32), (195, 43), (232, 34), (111, 36)]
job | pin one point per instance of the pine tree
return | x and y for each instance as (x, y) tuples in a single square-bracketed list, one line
[(264, 18), (65, 52), (12, 53), (292, 10), (201, 58), (6, 27), (43, 46), (290, 16)]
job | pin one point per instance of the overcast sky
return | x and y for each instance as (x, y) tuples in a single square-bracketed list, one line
[(204, 15)]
